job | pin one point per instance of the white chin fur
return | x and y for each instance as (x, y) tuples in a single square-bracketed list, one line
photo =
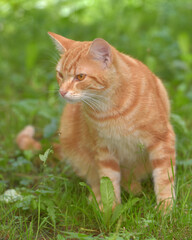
[(71, 99)]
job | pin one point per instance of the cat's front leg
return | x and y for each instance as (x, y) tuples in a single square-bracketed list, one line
[(108, 166)]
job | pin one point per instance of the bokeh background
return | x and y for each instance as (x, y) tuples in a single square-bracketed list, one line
[(157, 32)]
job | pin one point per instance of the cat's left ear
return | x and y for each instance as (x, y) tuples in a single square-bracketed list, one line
[(61, 43), (101, 50)]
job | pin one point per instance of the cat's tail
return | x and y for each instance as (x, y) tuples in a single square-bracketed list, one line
[(25, 139)]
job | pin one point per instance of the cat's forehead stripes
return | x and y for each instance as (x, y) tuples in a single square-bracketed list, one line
[(74, 63), (72, 57), (66, 59)]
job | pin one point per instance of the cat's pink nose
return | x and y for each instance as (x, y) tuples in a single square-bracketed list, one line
[(62, 92)]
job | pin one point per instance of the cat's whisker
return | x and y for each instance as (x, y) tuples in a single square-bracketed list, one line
[(94, 103), (86, 102), (94, 95), (53, 59), (53, 62), (97, 102), (53, 54), (97, 99)]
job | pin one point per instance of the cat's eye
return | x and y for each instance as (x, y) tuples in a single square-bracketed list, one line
[(80, 76), (60, 74)]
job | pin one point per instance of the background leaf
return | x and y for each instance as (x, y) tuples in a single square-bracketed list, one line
[(44, 157)]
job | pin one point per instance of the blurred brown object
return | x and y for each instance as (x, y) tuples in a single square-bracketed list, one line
[(25, 139)]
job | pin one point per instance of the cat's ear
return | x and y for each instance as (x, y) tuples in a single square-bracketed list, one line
[(61, 43), (101, 50)]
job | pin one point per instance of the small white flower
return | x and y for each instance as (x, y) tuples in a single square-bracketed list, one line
[(10, 196)]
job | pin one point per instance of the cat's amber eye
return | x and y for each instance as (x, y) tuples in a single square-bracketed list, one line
[(80, 76), (60, 75)]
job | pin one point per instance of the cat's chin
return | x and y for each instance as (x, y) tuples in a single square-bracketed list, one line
[(71, 100)]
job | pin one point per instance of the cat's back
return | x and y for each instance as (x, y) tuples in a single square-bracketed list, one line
[(149, 86)]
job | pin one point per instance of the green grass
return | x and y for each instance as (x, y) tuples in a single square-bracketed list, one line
[(54, 202), (57, 205)]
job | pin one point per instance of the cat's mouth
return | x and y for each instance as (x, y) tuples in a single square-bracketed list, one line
[(71, 98)]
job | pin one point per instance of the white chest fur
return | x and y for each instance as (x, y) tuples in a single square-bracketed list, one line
[(127, 147)]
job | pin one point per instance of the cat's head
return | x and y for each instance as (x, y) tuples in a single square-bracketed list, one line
[(85, 69)]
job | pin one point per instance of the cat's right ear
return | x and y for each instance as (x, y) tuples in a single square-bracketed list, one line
[(61, 43), (101, 51)]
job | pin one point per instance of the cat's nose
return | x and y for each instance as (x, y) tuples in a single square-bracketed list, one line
[(62, 92)]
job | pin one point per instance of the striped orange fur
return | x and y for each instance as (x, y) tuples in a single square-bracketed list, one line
[(118, 125)]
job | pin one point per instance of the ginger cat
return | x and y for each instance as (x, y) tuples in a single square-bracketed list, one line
[(118, 125)]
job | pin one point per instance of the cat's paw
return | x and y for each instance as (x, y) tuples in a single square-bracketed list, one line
[(165, 206)]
